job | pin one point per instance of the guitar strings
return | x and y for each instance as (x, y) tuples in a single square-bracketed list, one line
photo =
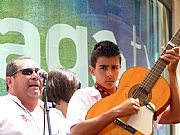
[(157, 68), (151, 78)]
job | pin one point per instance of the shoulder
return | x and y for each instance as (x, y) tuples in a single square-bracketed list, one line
[(56, 114), (7, 105), (80, 103), (88, 91), (5, 99), (84, 97)]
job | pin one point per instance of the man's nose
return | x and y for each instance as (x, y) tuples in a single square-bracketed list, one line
[(109, 73), (35, 75)]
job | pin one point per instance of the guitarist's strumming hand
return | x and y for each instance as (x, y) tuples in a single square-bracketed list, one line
[(128, 107)]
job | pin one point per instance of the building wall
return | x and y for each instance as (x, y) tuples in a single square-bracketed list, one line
[(176, 26), (136, 26), (176, 15)]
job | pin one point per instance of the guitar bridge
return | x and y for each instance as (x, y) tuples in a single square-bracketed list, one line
[(125, 126)]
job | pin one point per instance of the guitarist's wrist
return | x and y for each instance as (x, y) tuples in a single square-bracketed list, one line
[(113, 113), (172, 73)]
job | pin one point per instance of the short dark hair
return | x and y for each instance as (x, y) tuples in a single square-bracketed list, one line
[(104, 48), (12, 66), (62, 83)]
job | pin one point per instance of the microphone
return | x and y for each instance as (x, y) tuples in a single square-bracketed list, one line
[(42, 73)]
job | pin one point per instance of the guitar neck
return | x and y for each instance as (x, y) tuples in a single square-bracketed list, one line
[(153, 75), (160, 65)]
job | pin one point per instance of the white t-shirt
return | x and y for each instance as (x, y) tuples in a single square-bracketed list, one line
[(15, 119)]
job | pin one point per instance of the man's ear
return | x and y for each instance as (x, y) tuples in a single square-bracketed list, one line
[(8, 81), (91, 70)]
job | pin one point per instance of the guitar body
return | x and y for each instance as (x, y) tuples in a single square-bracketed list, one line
[(130, 80)]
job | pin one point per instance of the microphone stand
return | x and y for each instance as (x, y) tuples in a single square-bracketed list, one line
[(46, 105)]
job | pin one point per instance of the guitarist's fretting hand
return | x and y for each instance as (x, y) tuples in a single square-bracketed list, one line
[(171, 56), (171, 115), (128, 107)]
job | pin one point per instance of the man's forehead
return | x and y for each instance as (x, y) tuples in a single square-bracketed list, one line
[(27, 63), (108, 65), (109, 62)]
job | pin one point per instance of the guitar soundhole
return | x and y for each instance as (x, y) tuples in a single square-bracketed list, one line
[(141, 93)]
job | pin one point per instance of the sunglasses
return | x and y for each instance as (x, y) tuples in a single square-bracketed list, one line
[(27, 71)]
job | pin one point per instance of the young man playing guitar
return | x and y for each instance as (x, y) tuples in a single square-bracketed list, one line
[(105, 66)]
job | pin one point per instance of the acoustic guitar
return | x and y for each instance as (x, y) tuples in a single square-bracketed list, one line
[(138, 82)]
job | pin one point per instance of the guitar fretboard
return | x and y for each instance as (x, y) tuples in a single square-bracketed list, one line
[(159, 66)]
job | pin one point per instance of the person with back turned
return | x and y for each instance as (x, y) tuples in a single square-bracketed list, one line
[(62, 83)]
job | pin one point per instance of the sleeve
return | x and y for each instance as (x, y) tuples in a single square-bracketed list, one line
[(156, 123), (77, 108)]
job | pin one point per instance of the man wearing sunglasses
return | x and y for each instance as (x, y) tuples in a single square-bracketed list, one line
[(22, 111)]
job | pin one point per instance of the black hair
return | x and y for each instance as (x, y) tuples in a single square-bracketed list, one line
[(104, 48)]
